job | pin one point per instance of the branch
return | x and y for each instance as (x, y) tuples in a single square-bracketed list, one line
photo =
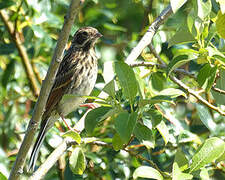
[(56, 154), (218, 90), (201, 99), (162, 66), (50, 161), (22, 51), (147, 38), (45, 89)]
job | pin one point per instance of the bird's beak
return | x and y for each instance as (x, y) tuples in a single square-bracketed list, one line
[(98, 35)]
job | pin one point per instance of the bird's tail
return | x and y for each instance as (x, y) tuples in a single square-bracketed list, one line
[(36, 148)]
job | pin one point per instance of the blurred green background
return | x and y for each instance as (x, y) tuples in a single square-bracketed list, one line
[(186, 122)]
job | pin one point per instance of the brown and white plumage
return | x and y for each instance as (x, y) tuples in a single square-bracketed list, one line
[(77, 74)]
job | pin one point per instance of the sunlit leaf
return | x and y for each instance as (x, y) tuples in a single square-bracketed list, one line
[(220, 21), (74, 135), (77, 161), (163, 130), (176, 4), (178, 175), (147, 172), (212, 149)]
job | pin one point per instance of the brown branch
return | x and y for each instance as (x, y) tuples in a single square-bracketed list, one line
[(218, 90), (162, 66), (45, 89), (147, 38), (22, 51), (153, 51), (201, 99)]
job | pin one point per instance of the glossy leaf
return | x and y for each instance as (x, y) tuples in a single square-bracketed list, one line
[(177, 62), (93, 118), (74, 135), (206, 117), (163, 130), (220, 21), (127, 80), (124, 125), (204, 8), (147, 172), (176, 4), (181, 160), (77, 161), (178, 175), (144, 135), (211, 150), (117, 142)]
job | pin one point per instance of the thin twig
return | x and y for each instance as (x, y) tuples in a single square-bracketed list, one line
[(162, 66), (22, 51), (147, 38), (153, 51), (46, 87), (218, 90), (200, 98)]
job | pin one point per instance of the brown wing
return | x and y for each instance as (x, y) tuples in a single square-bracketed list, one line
[(63, 79)]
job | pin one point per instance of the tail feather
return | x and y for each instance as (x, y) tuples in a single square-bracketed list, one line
[(36, 148)]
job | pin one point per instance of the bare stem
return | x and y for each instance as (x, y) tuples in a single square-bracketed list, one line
[(147, 38)]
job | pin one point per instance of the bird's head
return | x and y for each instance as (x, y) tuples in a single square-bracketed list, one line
[(86, 38)]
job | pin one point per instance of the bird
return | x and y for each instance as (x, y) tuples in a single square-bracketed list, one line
[(76, 75)]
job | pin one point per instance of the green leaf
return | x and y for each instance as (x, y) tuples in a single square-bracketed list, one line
[(124, 125), (113, 27), (172, 93), (176, 4), (157, 81), (212, 78), (93, 118), (127, 80), (220, 98), (181, 160), (8, 73), (144, 135), (163, 130), (177, 62), (74, 135), (203, 74), (206, 77), (77, 161), (6, 4), (204, 174), (178, 175), (220, 21), (182, 36), (211, 150), (204, 8), (117, 142), (110, 88), (222, 5), (147, 172), (156, 99), (2, 176), (206, 117)]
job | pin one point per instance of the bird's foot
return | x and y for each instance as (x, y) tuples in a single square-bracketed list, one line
[(90, 105), (68, 126)]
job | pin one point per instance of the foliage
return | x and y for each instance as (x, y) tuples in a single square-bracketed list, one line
[(148, 126)]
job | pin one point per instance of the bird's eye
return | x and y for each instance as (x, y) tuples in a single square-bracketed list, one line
[(85, 33), (82, 37)]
